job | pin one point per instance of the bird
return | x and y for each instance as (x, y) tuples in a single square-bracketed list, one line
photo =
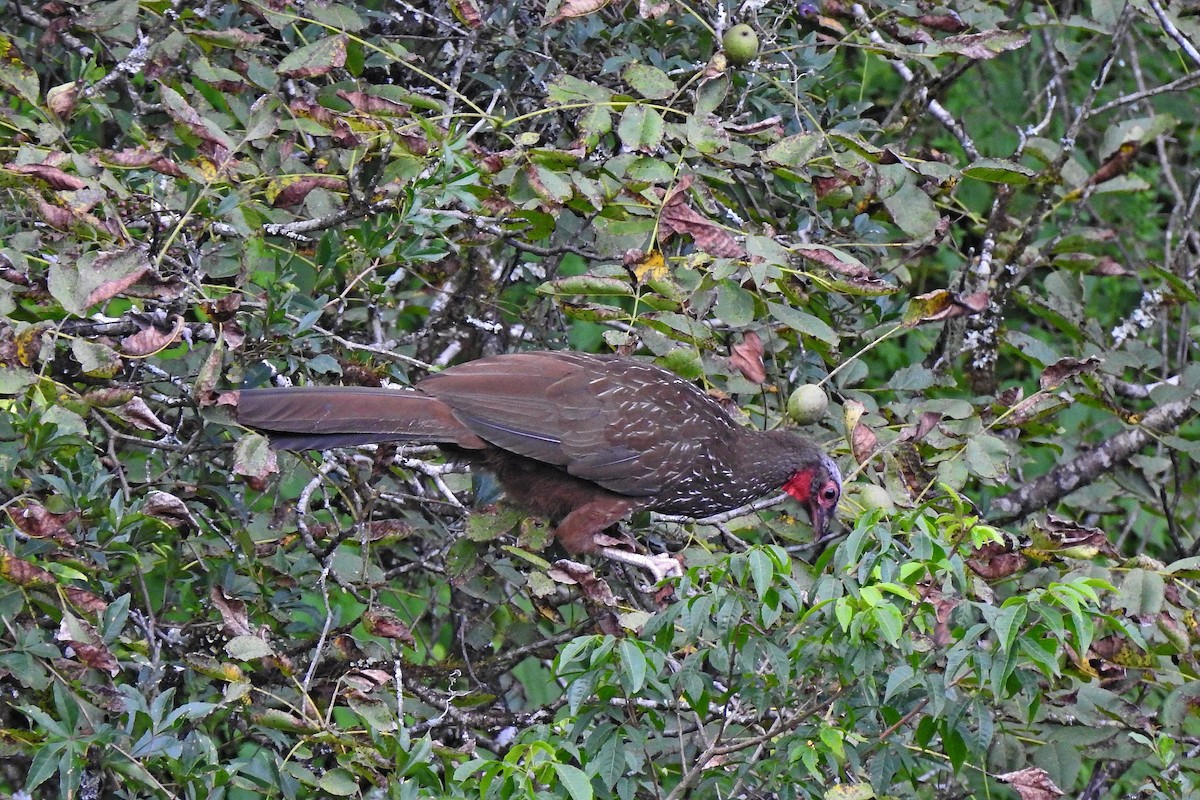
[(581, 439)]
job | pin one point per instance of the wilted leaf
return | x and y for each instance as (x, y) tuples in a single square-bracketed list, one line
[(1063, 537), (747, 358), (22, 572), (53, 176), (33, 520), (986, 45), (139, 415), (295, 188), (1032, 783), (78, 284), (253, 457), (940, 305), (318, 58), (1065, 368), (379, 622), (169, 508), (652, 267)]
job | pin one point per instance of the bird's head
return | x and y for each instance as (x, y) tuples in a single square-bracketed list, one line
[(818, 487)]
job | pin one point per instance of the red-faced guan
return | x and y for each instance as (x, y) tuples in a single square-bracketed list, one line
[(581, 439)]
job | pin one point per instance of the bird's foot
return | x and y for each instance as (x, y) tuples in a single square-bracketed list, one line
[(661, 566)]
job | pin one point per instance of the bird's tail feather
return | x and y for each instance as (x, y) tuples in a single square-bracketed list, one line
[(320, 417)]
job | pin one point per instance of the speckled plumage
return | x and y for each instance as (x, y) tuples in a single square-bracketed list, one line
[(583, 439)]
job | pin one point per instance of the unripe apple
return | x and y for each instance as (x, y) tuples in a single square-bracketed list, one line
[(740, 44), (807, 404)]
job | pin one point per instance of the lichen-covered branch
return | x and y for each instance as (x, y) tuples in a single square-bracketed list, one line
[(1087, 467)]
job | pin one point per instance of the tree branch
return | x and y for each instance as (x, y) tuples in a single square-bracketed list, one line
[(1087, 467)]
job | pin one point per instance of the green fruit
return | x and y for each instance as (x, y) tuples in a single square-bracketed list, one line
[(807, 404), (740, 44), (870, 497)]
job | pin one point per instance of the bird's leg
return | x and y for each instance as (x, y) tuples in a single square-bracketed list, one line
[(578, 531), (660, 566)]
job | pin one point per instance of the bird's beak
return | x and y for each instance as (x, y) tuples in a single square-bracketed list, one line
[(818, 516)]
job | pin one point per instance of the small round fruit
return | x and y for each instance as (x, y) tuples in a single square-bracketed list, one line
[(871, 497), (807, 404), (740, 44)]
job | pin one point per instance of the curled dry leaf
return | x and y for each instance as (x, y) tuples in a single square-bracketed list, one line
[(153, 336), (23, 573), (233, 613), (296, 189), (1032, 783), (594, 590), (677, 216), (996, 561), (747, 358), (55, 177), (1063, 537), (381, 623), (169, 508), (87, 643), (33, 520), (941, 305), (571, 9), (140, 157), (1063, 369), (139, 415), (863, 441)]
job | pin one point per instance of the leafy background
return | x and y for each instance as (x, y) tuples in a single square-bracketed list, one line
[(975, 227)]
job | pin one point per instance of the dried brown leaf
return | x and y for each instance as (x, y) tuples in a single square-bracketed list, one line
[(33, 520), (53, 176), (747, 358), (139, 415), (1031, 783), (1063, 369)]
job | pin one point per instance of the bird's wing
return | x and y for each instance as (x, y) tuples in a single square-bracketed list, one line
[(618, 422)]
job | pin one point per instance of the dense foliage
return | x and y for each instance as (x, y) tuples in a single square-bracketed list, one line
[(976, 228)]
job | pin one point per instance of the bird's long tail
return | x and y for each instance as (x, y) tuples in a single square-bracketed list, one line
[(320, 417)]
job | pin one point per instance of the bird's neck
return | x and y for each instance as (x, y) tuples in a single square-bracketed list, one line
[(771, 457)]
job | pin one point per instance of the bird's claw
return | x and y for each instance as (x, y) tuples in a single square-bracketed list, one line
[(661, 566)]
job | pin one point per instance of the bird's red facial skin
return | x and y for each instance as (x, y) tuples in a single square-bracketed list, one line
[(820, 500)]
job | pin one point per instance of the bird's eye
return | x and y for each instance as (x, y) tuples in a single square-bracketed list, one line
[(830, 493)]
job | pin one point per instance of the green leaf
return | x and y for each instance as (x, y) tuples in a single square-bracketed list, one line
[(987, 456), (567, 88), (248, 648), (576, 781), (1008, 622), (633, 666), (794, 151), (890, 622), (762, 571), (641, 128), (912, 211), (995, 170), (648, 81), (803, 322), (1142, 593), (339, 782)]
